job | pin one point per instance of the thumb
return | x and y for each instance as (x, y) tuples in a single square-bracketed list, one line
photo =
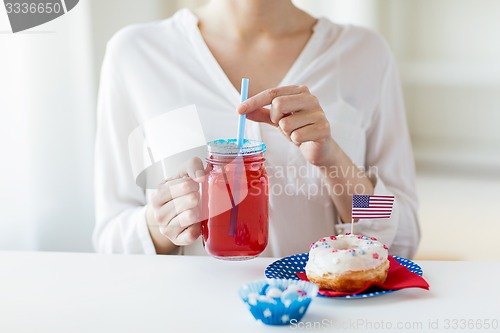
[(195, 169)]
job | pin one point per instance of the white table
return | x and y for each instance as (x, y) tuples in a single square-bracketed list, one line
[(68, 292)]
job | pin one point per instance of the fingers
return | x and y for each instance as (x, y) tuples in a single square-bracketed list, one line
[(283, 101), (261, 115), (316, 132), (188, 235), (190, 175), (297, 113), (182, 229), (172, 189), (285, 105), (177, 206), (298, 120), (179, 219), (267, 96)]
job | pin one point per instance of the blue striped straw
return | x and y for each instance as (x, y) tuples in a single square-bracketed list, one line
[(243, 117)]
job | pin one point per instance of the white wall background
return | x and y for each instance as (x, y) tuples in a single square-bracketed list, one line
[(449, 56), (48, 86), (449, 59), (47, 96)]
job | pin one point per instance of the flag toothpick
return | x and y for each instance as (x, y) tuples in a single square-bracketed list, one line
[(371, 207)]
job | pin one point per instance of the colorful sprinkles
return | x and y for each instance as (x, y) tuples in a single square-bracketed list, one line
[(362, 250)]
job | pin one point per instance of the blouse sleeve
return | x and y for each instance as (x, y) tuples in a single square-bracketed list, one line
[(389, 157), (119, 203)]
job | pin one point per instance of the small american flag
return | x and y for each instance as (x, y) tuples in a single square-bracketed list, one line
[(372, 206)]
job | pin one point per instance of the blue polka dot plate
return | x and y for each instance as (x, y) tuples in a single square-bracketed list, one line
[(288, 267)]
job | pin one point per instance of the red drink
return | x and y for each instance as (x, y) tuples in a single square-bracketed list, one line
[(235, 196)]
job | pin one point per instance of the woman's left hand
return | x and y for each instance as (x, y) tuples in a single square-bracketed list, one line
[(298, 114)]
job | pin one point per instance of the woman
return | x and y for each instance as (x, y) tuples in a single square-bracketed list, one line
[(325, 99)]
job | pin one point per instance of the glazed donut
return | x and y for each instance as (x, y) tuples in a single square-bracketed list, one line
[(347, 262)]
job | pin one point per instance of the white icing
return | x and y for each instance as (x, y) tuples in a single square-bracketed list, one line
[(345, 253)]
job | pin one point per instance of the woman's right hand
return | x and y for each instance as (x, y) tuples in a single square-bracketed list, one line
[(175, 207)]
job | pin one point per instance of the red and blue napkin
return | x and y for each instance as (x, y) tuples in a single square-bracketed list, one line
[(398, 277)]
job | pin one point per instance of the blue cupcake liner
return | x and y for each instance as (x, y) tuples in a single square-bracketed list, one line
[(275, 311)]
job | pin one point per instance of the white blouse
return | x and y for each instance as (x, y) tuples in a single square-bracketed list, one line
[(157, 67)]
